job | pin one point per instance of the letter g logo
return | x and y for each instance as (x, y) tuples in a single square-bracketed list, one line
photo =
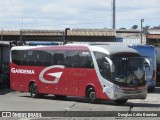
[(13, 70), (57, 75)]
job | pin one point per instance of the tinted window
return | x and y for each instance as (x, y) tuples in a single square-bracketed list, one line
[(58, 58), (71, 59), (78, 59), (16, 57), (32, 58), (103, 65)]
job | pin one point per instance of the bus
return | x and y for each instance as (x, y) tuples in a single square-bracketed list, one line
[(148, 51), (158, 65), (97, 72)]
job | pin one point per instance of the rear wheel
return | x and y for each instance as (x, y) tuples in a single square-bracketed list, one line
[(91, 95), (121, 101), (34, 91)]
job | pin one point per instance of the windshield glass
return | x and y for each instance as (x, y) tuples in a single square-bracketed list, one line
[(129, 71)]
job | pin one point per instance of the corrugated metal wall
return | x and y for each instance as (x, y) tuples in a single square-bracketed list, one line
[(118, 42), (121, 39)]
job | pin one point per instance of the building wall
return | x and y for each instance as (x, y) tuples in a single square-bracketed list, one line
[(120, 39)]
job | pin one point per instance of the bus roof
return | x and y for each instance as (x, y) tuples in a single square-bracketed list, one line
[(142, 46), (58, 47), (145, 50), (111, 49), (108, 49)]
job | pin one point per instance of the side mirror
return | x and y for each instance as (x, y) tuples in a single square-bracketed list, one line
[(111, 64), (147, 63)]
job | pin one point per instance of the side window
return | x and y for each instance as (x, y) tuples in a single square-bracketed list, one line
[(86, 60), (58, 58), (32, 58), (24, 58), (69, 59), (16, 57), (78, 59), (39, 58), (72, 59), (43, 58), (103, 65), (47, 58)]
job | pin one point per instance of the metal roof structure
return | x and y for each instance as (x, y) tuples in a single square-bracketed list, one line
[(91, 32), (116, 37), (74, 32), (80, 32), (42, 32), (8, 32), (153, 31), (32, 32), (153, 34)]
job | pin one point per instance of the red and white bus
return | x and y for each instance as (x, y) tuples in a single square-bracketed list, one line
[(92, 71)]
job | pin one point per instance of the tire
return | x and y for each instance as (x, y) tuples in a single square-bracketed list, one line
[(91, 95), (61, 97), (34, 91), (121, 101)]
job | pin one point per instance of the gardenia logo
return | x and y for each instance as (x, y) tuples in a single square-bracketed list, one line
[(22, 71)]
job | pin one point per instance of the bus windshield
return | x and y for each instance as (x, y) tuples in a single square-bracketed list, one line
[(129, 71)]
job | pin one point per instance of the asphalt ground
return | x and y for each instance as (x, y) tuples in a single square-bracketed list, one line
[(22, 102)]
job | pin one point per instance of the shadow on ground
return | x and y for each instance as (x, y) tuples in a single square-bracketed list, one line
[(155, 91), (5, 89), (102, 102)]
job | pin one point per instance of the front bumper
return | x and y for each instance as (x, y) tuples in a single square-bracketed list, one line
[(127, 93)]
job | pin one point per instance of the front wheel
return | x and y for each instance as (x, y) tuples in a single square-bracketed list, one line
[(34, 91), (121, 101), (91, 95)]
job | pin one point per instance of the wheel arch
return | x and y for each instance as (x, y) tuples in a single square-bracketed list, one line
[(30, 83), (89, 86)]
